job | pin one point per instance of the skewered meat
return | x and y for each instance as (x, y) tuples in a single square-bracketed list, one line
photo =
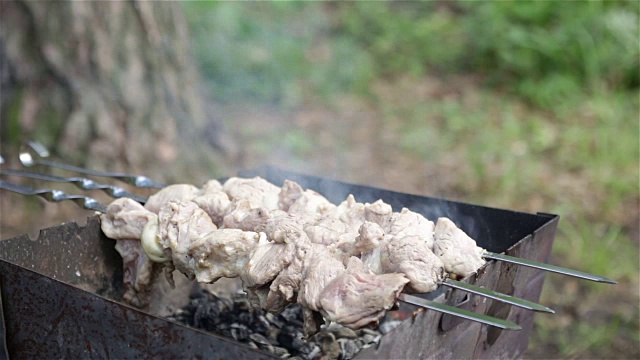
[(458, 251), (177, 192), (125, 219), (214, 203), (409, 223), (257, 190), (138, 272), (296, 253), (357, 298)]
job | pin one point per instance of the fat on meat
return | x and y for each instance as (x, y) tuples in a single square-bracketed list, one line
[(356, 298), (458, 251), (176, 192), (411, 256)]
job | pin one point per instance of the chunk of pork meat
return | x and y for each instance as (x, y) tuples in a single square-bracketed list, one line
[(180, 223), (321, 266), (177, 192), (331, 231), (138, 270), (258, 191), (267, 261), (289, 193), (458, 252), (282, 227), (379, 212), (409, 223), (411, 256), (350, 212), (370, 235), (242, 215), (215, 204), (222, 253), (311, 202), (211, 187), (125, 219), (356, 298), (285, 286)]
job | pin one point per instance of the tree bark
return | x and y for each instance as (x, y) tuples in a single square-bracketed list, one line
[(106, 85)]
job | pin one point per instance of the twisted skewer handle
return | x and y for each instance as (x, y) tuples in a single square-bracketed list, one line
[(55, 196), (33, 153)]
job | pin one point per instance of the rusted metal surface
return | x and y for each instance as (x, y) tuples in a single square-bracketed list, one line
[(49, 315), (61, 292)]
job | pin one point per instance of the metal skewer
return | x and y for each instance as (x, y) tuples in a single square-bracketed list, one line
[(92, 204), (34, 153), (55, 196), (547, 267), (465, 314), (512, 300), (82, 183)]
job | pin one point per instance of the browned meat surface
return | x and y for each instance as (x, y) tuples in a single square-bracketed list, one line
[(458, 252)]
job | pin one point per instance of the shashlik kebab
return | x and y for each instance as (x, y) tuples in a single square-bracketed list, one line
[(34, 153), (312, 253)]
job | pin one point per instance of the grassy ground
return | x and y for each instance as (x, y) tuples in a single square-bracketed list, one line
[(532, 108)]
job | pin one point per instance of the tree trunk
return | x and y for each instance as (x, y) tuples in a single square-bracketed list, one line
[(107, 85)]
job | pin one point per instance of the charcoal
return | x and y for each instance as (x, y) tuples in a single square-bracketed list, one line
[(259, 339), (349, 348), (280, 352), (280, 335), (240, 332)]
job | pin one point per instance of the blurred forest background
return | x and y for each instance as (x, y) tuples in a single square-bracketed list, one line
[(530, 106)]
